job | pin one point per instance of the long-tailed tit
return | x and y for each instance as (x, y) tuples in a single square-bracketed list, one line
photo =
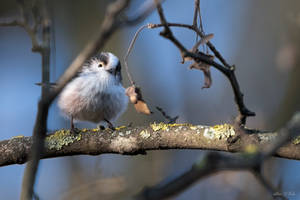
[(96, 94)]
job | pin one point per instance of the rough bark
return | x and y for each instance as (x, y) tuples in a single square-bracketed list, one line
[(138, 140)]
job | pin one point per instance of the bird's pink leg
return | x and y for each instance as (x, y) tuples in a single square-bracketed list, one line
[(110, 125), (72, 124)]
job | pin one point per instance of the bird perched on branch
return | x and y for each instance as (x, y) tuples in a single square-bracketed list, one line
[(96, 94)]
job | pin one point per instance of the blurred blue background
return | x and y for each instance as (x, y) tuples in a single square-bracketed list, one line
[(260, 38)]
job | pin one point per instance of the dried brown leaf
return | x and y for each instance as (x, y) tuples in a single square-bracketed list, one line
[(184, 59), (206, 38), (206, 71), (142, 107), (135, 96), (200, 65), (207, 78)]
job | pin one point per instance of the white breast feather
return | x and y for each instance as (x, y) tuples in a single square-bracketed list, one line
[(93, 98)]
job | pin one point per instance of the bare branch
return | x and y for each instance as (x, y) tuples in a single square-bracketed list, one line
[(255, 148), (204, 40), (210, 164), (285, 135), (129, 50), (135, 140), (171, 120), (142, 12), (44, 49), (196, 10), (266, 184), (11, 23), (36, 47), (109, 25), (228, 71)]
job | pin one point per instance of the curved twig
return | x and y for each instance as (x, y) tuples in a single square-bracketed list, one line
[(129, 50)]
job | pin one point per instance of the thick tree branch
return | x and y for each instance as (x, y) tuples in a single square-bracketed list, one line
[(251, 159), (140, 139)]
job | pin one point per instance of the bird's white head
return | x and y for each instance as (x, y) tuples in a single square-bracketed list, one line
[(104, 64)]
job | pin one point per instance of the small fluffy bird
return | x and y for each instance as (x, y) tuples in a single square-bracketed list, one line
[(96, 94)]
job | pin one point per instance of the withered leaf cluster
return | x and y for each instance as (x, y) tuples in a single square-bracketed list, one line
[(135, 96), (202, 65), (205, 68)]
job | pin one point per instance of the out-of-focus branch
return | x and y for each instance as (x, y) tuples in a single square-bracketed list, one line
[(137, 140), (274, 192), (31, 31), (210, 164), (111, 22), (141, 13), (39, 19), (40, 128), (252, 159), (285, 135)]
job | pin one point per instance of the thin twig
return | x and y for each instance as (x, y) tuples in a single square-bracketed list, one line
[(172, 120), (269, 187), (142, 12), (203, 41), (200, 19), (129, 50), (196, 8), (209, 44), (36, 47)]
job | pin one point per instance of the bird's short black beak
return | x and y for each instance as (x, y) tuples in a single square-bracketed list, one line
[(111, 71), (115, 71)]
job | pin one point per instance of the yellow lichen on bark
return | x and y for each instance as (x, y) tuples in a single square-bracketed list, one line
[(61, 138)]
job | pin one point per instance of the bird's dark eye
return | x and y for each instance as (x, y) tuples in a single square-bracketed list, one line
[(100, 65)]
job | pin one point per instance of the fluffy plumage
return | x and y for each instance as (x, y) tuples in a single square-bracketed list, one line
[(96, 94)]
